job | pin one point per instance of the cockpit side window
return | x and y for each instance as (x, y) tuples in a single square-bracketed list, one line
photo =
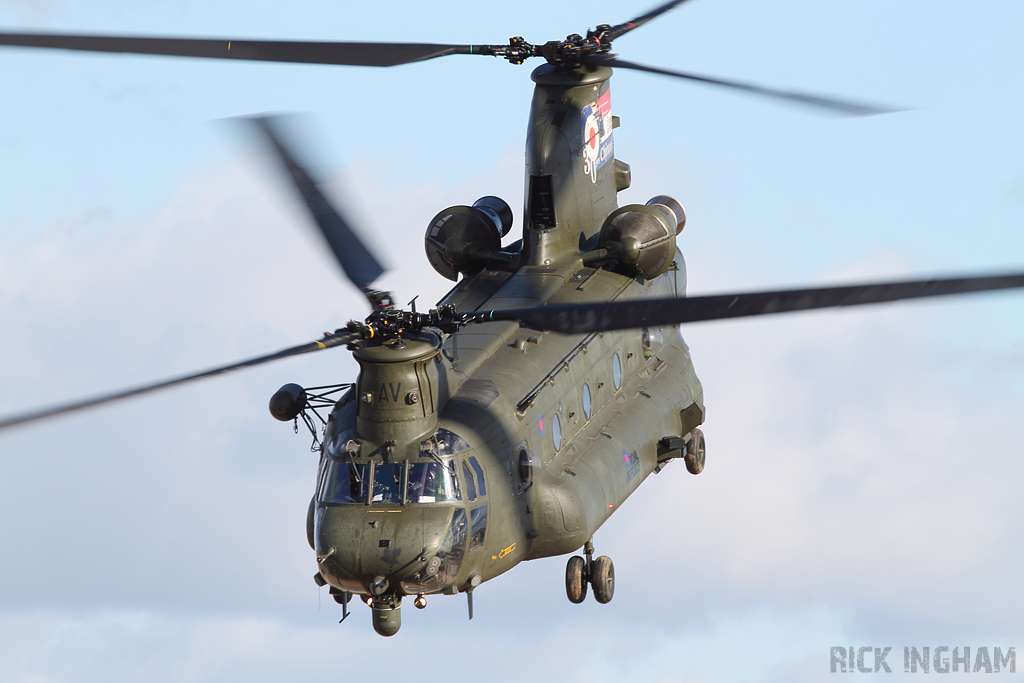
[(387, 483), (456, 536), (479, 475), (478, 527), (470, 484)]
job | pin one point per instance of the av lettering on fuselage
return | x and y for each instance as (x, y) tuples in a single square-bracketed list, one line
[(382, 396), (597, 134)]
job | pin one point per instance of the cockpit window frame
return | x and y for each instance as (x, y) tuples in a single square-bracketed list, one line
[(398, 483), (471, 489)]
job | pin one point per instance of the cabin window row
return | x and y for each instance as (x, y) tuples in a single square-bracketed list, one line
[(587, 403)]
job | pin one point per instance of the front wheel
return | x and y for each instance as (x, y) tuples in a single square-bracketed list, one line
[(603, 579), (694, 456), (576, 579)]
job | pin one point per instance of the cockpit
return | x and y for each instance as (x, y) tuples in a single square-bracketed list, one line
[(445, 484)]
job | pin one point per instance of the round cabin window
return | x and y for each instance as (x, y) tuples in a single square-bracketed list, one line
[(652, 341), (616, 371), (529, 463), (586, 401), (556, 431)]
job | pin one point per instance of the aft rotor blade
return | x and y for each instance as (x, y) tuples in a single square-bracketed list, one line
[(327, 342), (628, 26), (304, 52), (846, 107), (636, 313), (354, 257)]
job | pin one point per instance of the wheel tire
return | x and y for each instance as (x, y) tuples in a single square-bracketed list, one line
[(603, 579), (694, 457), (576, 579)]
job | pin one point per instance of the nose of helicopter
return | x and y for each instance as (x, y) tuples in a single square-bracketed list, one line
[(359, 545)]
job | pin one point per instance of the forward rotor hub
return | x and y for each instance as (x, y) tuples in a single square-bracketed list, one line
[(388, 322), (569, 53)]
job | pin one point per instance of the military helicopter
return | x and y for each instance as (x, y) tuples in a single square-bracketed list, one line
[(511, 420)]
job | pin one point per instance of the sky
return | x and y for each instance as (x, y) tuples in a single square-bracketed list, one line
[(863, 472)]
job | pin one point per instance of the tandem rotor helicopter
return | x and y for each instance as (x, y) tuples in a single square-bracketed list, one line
[(510, 421)]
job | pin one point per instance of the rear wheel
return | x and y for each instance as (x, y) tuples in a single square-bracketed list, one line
[(694, 456), (603, 579), (576, 579)]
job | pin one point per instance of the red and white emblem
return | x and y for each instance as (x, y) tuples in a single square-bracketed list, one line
[(597, 134)]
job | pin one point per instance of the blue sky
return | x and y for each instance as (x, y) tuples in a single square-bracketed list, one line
[(863, 467)]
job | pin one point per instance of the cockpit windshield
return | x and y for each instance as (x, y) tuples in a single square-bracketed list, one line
[(431, 482), (387, 483)]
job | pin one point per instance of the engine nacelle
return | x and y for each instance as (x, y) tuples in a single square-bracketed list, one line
[(457, 235), (643, 237)]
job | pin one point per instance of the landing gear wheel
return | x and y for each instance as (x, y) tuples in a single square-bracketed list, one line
[(576, 579), (694, 457), (603, 579)]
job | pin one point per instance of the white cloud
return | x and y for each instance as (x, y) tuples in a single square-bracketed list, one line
[(854, 465)]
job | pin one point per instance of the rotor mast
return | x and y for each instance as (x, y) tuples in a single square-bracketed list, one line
[(571, 178)]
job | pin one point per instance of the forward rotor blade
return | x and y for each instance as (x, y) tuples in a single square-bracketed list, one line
[(636, 313), (628, 26), (325, 343), (305, 52), (841, 106), (355, 258)]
